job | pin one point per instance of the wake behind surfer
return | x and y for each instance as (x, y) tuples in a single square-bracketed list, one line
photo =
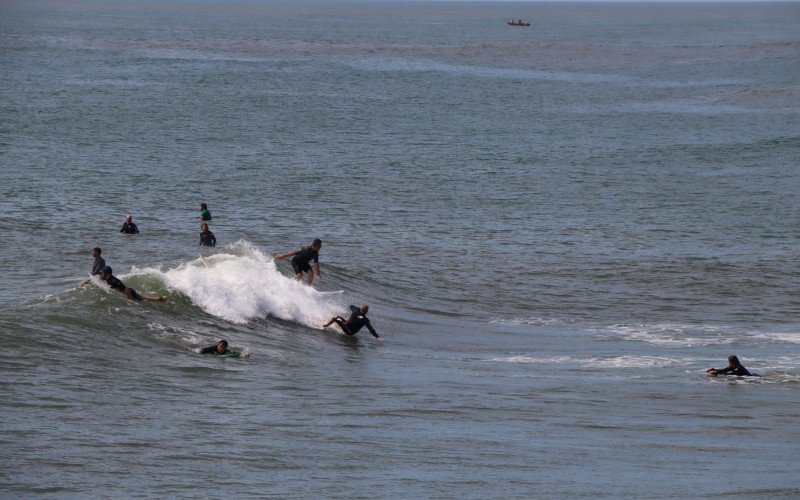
[(98, 266), (129, 227), (301, 260), (116, 284), (734, 368), (207, 238), (357, 320)]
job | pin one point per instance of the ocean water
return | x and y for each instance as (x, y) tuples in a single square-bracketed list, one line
[(557, 228)]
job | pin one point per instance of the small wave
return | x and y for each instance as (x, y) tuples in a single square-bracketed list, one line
[(243, 284), (598, 362), (532, 360), (423, 66), (792, 338), (671, 334), (535, 321)]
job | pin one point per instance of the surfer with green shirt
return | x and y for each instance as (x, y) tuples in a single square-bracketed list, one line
[(204, 213)]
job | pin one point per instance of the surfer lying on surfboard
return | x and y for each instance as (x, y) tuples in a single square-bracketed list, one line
[(357, 320), (221, 349), (132, 294), (734, 368)]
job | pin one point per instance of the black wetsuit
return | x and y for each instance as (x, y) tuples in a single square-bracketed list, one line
[(207, 239), (739, 370), (213, 350), (355, 322), (129, 228), (302, 258), (116, 284), (99, 265)]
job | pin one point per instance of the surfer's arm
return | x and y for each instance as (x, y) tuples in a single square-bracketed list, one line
[(371, 330), (316, 268), (284, 255)]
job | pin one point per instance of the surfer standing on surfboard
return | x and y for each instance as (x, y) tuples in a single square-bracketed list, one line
[(357, 320), (301, 260)]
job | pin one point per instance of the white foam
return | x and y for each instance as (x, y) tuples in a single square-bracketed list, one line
[(598, 362), (242, 284), (533, 360), (669, 334), (793, 338), (535, 321)]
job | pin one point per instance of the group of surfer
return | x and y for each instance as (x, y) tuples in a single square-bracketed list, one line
[(301, 263), (207, 238), (105, 273)]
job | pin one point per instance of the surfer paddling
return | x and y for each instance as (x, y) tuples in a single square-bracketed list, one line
[(734, 368), (99, 264), (301, 260), (357, 320), (221, 349), (132, 294)]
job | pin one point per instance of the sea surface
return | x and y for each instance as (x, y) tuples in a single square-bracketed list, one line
[(557, 229)]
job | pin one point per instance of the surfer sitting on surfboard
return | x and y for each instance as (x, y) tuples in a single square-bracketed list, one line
[(99, 264), (357, 320), (734, 368), (132, 294), (207, 238), (301, 262)]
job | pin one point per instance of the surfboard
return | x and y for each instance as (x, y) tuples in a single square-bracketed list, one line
[(334, 292), (204, 262)]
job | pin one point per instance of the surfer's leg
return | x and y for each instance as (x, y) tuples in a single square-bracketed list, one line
[(310, 274), (156, 298), (340, 321)]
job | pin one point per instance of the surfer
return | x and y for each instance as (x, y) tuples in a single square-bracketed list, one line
[(734, 368), (99, 264), (207, 238), (221, 349), (132, 294), (204, 213), (357, 320), (301, 260), (129, 227)]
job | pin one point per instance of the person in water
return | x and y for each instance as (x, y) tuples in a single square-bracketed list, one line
[(204, 213), (129, 227), (99, 264), (221, 349), (132, 294), (301, 260), (207, 238), (357, 320), (734, 368)]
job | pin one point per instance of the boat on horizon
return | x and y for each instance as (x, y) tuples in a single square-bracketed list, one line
[(517, 23)]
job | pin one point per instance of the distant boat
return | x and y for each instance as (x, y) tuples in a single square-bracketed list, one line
[(517, 23)]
